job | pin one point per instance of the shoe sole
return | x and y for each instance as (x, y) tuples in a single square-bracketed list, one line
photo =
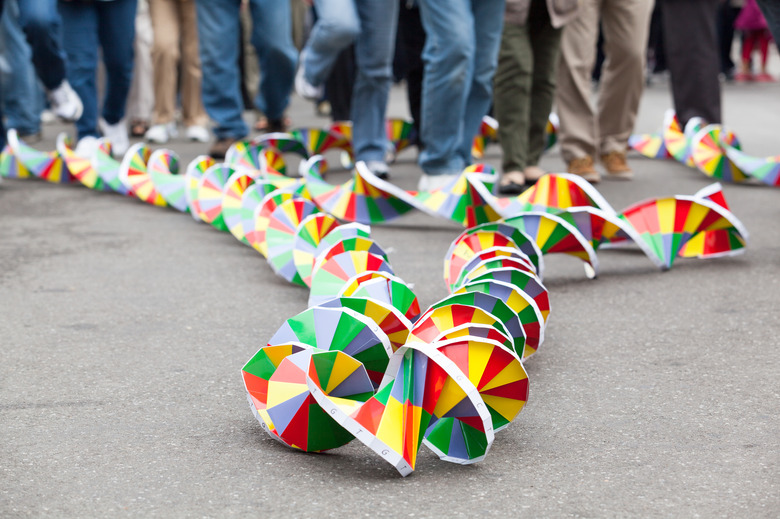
[(621, 175)]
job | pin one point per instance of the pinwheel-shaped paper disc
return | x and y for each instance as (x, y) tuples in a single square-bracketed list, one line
[(108, 169), (163, 169), (525, 281), (553, 234), (211, 190), (384, 287), (520, 302), (400, 133), (10, 166), (339, 329), (280, 236), (331, 276), (244, 155), (46, 165), (293, 415), (263, 217), (765, 169), (195, 171), (361, 199), (317, 141), (306, 240), (495, 307), (341, 233), (79, 167), (389, 319), (233, 211), (358, 243), (488, 236), (667, 224), (466, 200), (710, 157), (651, 145), (134, 175), (497, 374), (551, 131), (555, 191)]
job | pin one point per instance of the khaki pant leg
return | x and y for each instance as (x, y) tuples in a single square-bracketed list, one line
[(626, 24), (573, 96), (191, 100), (165, 57)]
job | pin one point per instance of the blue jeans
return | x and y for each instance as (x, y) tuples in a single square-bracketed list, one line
[(43, 28), (111, 26), (460, 55), (22, 102), (372, 25), (219, 38)]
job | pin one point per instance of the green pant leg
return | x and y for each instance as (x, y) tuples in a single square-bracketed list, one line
[(546, 45), (511, 96)]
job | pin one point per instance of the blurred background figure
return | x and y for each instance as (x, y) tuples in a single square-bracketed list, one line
[(371, 25), (755, 36), (42, 27), (219, 36), (140, 101), (109, 27), (584, 133), (771, 10), (22, 98), (176, 69), (525, 86), (408, 64), (728, 10), (460, 56), (692, 56)]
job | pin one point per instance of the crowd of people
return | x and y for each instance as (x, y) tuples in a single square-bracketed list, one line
[(182, 62)]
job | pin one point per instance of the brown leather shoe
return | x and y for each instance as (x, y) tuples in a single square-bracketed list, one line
[(616, 166), (583, 167), (221, 146)]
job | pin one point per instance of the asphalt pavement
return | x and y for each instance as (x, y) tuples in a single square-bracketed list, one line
[(124, 327)]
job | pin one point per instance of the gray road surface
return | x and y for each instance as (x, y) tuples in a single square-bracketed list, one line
[(123, 329)]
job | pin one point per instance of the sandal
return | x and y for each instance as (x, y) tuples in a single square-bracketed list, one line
[(532, 174), (512, 183), (265, 125), (138, 128)]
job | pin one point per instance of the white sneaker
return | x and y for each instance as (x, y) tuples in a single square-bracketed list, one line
[(198, 134), (379, 169), (86, 147), (434, 182), (305, 89), (116, 135), (48, 117), (160, 133), (65, 102)]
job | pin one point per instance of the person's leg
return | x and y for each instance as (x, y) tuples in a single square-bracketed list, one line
[(577, 133), (763, 42), (771, 10), (80, 41), (448, 57), (276, 53), (140, 101), (340, 85), (625, 24), (166, 54), (488, 20), (43, 27), (116, 40), (512, 95), (693, 58), (374, 59), (747, 49), (20, 84), (412, 42), (218, 29), (337, 25), (546, 45), (192, 109)]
